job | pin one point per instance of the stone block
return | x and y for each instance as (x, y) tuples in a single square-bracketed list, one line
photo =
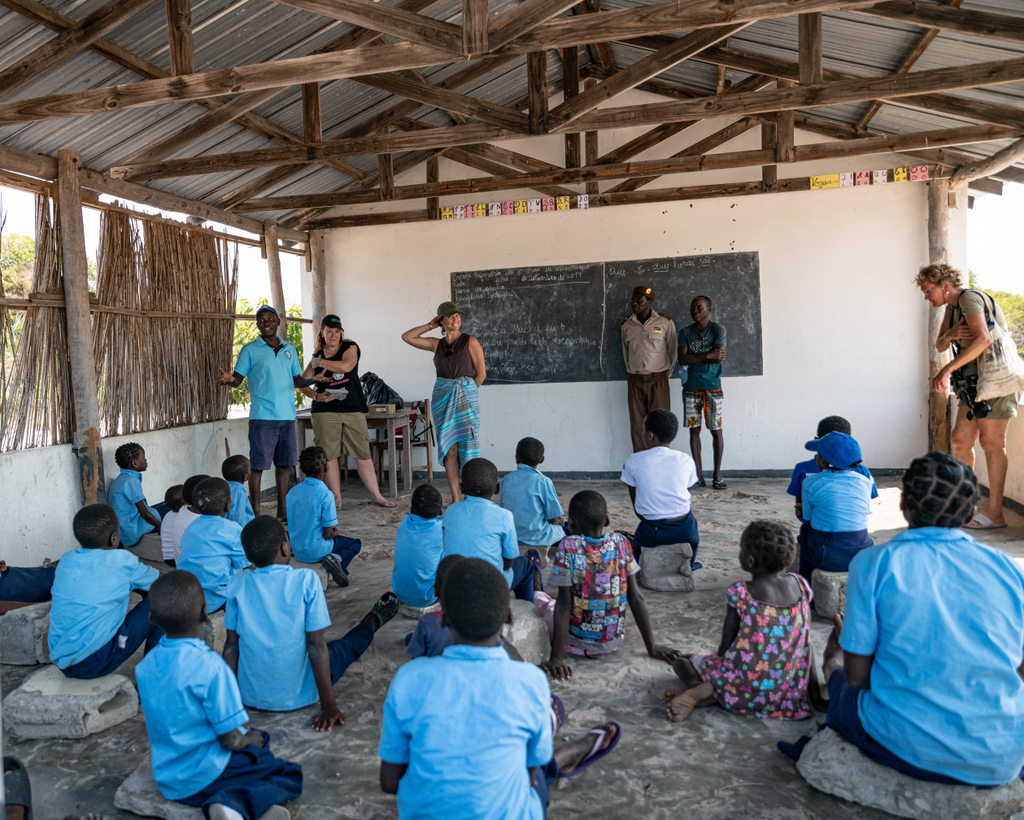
[(140, 795), (23, 634), (829, 590), (321, 573), (835, 766), (527, 638), (48, 704), (414, 613), (666, 568), (147, 548), (213, 632)]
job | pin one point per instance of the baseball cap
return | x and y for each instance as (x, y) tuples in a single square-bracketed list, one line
[(838, 449), (446, 309), (330, 320), (643, 290), (266, 307)]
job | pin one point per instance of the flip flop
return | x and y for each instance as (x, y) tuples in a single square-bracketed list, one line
[(557, 714), (984, 523), (719, 484), (593, 755), (700, 483), (17, 791)]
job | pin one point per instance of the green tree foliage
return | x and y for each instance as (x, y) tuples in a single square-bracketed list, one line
[(246, 332), (1013, 308), (17, 256)]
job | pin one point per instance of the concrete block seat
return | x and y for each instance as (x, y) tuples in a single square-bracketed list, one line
[(321, 573), (829, 590), (416, 612), (835, 766), (23, 634), (527, 638), (48, 704), (140, 795), (213, 632), (147, 548), (666, 568)]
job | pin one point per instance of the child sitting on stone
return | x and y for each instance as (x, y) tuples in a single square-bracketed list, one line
[(476, 527), (211, 548), (659, 480), (174, 499), (275, 621), (236, 472), (419, 545), (137, 519), (313, 520), (204, 753), (531, 498), (186, 514), (430, 639), (91, 630), (22, 586), (595, 576), (762, 666)]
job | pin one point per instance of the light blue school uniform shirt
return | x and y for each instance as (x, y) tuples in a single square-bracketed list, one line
[(944, 618), (241, 510), (189, 697), (272, 608), (468, 724), (837, 501), (124, 494), (419, 544), (531, 498), (479, 528), (270, 373), (211, 549), (810, 467), (310, 509), (90, 600)]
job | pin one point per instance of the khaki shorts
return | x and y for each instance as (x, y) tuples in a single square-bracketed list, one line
[(1004, 407), (342, 432)]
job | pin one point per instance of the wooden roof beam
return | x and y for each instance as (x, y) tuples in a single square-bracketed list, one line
[(811, 70), (523, 18), (179, 37), (975, 23), (979, 169), (475, 18)]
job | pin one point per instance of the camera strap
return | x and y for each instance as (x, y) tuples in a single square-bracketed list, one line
[(988, 319)]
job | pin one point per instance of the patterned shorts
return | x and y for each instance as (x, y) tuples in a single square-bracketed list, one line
[(703, 402)]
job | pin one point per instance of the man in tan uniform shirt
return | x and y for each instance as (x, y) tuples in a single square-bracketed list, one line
[(649, 347)]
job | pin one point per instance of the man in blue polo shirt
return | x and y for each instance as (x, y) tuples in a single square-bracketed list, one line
[(272, 366)]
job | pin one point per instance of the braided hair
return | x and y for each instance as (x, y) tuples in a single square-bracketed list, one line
[(939, 491), (771, 543)]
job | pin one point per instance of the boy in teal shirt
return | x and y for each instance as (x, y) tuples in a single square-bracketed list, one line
[(702, 351)]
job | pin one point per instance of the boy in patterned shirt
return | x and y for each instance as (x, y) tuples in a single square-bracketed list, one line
[(593, 571)]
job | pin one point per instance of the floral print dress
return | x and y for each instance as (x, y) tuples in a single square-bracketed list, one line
[(765, 671)]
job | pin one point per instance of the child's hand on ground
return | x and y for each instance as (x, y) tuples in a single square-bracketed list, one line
[(663, 653), (327, 718), (558, 668)]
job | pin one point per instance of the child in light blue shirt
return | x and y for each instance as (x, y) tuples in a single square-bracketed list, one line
[(211, 548), (91, 631), (204, 753), (531, 498), (430, 639), (419, 545), (313, 520), (275, 621), (136, 517), (236, 472)]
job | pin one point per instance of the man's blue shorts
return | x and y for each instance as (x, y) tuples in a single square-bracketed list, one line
[(272, 442)]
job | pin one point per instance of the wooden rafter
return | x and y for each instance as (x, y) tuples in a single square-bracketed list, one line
[(179, 37), (475, 18), (604, 54), (927, 15), (982, 168), (385, 173), (811, 70), (537, 90), (570, 91), (523, 18)]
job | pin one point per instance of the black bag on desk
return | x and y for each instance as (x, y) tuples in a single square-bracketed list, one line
[(377, 391)]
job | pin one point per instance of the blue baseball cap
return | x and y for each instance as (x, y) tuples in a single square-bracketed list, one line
[(838, 449), (267, 307)]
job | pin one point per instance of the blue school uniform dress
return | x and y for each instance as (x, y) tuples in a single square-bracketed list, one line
[(272, 608), (837, 505), (468, 724), (190, 697), (810, 467), (419, 544), (91, 630), (945, 695), (310, 509), (241, 509), (531, 498), (272, 412), (211, 549), (479, 528), (125, 493)]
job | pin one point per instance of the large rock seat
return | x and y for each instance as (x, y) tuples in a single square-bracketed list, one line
[(140, 795), (527, 638), (213, 632), (414, 613), (23, 635), (829, 590), (666, 568)]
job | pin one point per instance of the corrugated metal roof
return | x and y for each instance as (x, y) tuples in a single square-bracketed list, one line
[(227, 33)]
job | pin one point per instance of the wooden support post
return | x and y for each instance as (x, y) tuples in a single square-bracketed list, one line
[(811, 71), (537, 73), (87, 444), (769, 139), (318, 278), (475, 14), (312, 125), (784, 137), (570, 89), (274, 269), (592, 150), (433, 175), (386, 172), (179, 37), (939, 415)]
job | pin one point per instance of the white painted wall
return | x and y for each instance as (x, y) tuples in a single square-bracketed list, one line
[(1015, 448)]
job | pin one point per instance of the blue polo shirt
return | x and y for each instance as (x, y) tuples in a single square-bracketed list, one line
[(531, 498), (943, 617), (125, 492), (211, 549), (90, 600), (837, 501), (189, 697), (241, 510), (810, 467), (419, 544), (468, 724), (270, 373), (310, 509), (479, 528), (272, 608)]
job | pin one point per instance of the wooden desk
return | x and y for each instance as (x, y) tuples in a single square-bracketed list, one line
[(392, 422)]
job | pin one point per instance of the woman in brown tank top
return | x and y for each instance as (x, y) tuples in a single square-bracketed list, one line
[(455, 404)]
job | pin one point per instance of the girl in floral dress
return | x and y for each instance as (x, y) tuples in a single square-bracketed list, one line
[(763, 664)]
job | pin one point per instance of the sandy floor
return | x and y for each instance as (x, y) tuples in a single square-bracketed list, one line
[(715, 765)]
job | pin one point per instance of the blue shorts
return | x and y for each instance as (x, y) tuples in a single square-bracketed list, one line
[(657, 533), (829, 551), (272, 442), (27, 585)]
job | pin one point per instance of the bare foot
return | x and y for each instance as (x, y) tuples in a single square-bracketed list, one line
[(570, 755), (383, 502), (683, 701)]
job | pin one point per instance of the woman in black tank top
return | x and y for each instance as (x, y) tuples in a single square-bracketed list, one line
[(339, 409), (455, 403)]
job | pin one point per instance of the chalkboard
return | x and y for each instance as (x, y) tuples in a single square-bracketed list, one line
[(561, 323)]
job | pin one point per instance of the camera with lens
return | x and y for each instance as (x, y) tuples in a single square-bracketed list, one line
[(968, 388)]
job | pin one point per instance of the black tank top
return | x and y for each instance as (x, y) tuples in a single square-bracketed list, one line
[(454, 361), (345, 387)]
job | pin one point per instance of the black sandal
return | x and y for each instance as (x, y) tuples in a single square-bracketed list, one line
[(718, 484), (17, 790)]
